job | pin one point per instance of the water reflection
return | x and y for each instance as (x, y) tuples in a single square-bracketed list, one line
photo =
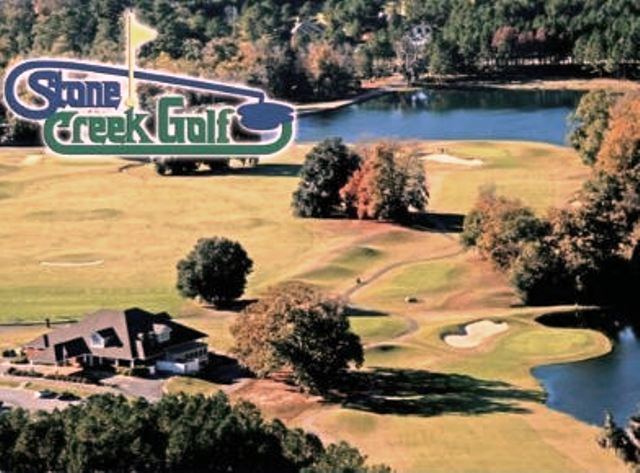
[(450, 114), (585, 389)]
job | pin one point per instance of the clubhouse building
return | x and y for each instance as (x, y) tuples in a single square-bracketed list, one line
[(129, 338)]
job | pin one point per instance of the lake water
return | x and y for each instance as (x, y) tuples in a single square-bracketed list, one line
[(485, 114), (585, 389)]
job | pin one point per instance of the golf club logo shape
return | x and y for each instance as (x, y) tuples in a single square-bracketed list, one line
[(90, 116)]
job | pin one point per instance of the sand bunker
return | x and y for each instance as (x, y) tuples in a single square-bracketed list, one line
[(476, 333), (448, 159), (69, 264)]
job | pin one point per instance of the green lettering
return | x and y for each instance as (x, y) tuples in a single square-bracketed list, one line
[(134, 126), (97, 130), (117, 129)]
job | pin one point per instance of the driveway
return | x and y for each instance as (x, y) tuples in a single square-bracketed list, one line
[(26, 398), (150, 389)]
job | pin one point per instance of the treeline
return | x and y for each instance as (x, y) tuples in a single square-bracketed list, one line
[(588, 251), (319, 49), (109, 433), (322, 49)]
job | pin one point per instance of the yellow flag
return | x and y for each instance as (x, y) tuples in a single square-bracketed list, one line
[(137, 35)]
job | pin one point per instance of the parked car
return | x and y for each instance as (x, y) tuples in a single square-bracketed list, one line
[(67, 396), (46, 394)]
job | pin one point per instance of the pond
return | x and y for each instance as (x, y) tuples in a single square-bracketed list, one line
[(585, 389), (447, 114)]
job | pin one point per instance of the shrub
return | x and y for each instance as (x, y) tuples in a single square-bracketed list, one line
[(215, 270), (28, 373), (15, 131)]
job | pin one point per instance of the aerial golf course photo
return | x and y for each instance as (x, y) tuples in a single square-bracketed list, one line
[(81, 234)]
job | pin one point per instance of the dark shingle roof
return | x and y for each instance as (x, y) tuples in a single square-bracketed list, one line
[(127, 334)]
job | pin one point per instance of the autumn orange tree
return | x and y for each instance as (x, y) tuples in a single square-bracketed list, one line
[(498, 226), (296, 327), (620, 150), (389, 184), (590, 122)]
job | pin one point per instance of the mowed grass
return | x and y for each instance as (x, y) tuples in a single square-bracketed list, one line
[(192, 386), (446, 409), (541, 175), (417, 280), (137, 226), (378, 328)]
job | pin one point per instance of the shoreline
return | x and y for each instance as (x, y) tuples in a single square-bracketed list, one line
[(320, 107), (573, 84), (395, 83)]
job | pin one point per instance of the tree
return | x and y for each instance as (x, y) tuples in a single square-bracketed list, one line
[(342, 458), (498, 226), (17, 18), (294, 326), (278, 70), (215, 270), (593, 230), (539, 276), (442, 58), (330, 70), (326, 169), (410, 58), (624, 441), (389, 185), (620, 150), (590, 122)]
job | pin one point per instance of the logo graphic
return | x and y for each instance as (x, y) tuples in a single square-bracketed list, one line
[(90, 116)]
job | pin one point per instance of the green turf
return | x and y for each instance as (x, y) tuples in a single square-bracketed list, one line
[(378, 328)]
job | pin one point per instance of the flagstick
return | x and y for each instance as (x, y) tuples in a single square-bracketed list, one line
[(130, 100)]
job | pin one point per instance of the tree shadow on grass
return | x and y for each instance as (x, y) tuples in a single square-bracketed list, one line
[(237, 305), (260, 170), (353, 311), (222, 369), (426, 394), (273, 170), (437, 222)]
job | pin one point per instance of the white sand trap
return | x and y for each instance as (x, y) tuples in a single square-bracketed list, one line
[(448, 159), (476, 333), (68, 264), (32, 159)]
